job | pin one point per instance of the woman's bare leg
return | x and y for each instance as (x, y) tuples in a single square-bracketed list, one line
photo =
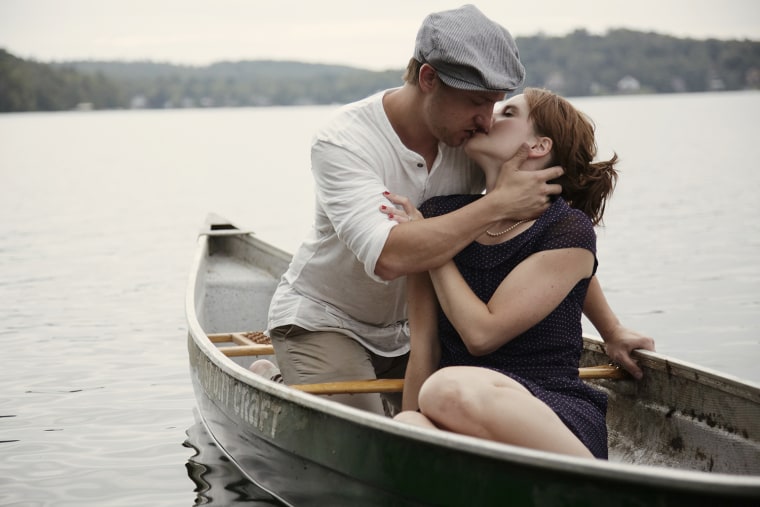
[(415, 418), (486, 404)]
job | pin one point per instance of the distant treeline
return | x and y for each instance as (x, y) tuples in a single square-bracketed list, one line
[(579, 64)]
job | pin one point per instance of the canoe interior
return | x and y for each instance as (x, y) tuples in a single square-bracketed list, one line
[(679, 416)]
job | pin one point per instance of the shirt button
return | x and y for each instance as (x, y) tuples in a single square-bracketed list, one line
[(420, 164)]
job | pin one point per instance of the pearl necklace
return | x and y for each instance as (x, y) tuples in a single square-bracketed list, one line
[(497, 234)]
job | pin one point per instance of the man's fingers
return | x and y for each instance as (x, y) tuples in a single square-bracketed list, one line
[(554, 172), (550, 174), (517, 160), (553, 189)]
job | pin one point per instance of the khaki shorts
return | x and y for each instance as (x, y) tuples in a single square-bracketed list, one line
[(308, 357)]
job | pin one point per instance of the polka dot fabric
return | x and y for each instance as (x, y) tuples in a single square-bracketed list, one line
[(545, 358)]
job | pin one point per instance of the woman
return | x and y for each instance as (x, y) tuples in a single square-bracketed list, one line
[(496, 333)]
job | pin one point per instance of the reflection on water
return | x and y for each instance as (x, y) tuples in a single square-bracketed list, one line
[(218, 482)]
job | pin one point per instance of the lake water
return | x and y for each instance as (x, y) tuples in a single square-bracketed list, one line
[(99, 219)]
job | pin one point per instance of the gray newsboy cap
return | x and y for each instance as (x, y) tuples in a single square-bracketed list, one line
[(469, 51)]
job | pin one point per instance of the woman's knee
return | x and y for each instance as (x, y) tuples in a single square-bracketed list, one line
[(444, 393), (464, 391), (412, 417), (407, 416)]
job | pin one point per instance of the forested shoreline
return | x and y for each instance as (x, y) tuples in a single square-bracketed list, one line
[(578, 64)]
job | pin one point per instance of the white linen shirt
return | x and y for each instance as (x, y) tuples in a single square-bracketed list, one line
[(331, 284)]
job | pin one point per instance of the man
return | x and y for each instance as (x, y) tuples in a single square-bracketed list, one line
[(339, 312)]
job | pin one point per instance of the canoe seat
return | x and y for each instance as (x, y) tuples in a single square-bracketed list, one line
[(243, 343)]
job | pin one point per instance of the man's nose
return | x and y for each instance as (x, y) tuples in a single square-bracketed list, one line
[(484, 121)]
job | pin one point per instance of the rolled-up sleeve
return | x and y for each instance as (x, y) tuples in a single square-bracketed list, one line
[(349, 192)]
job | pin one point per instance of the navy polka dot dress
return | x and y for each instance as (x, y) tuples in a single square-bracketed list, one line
[(545, 358)]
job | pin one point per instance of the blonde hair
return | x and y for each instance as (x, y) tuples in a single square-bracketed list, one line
[(412, 73)]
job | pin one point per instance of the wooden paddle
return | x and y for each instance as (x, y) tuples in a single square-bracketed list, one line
[(397, 385)]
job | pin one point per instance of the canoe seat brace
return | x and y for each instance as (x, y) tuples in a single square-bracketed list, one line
[(244, 343)]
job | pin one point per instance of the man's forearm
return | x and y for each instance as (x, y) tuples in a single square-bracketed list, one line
[(425, 244), (421, 245)]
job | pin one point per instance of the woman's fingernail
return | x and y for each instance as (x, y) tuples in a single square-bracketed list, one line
[(386, 193)]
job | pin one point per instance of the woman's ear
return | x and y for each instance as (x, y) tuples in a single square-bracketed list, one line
[(540, 148), (427, 77)]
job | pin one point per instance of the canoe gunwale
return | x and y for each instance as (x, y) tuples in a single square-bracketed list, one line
[(676, 367)]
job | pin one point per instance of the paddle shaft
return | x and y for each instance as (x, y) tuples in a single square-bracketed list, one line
[(244, 346), (397, 385)]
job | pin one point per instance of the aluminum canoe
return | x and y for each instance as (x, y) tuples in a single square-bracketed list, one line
[(684, 435)]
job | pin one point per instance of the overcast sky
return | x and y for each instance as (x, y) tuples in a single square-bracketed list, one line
[(368, 34)]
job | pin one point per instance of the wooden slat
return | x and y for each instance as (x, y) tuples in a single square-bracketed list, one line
[(248, 350), (228, 337), (604, 371), (244, 346), (397, 385), (220, 337), (241, 339), (353, 387)]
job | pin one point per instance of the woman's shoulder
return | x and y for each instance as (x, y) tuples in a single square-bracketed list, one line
[(565, 226), (562, 211), (442, 204)]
